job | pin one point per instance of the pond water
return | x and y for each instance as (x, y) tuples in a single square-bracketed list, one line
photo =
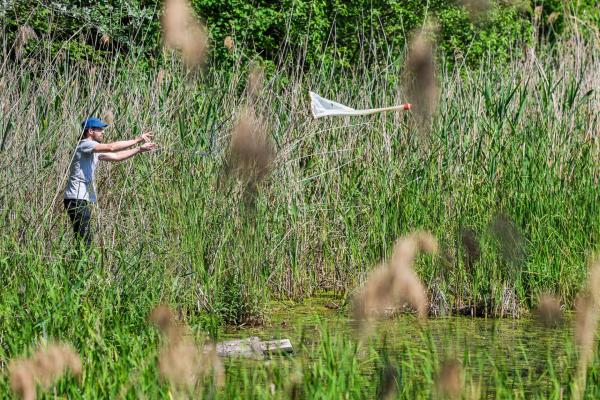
[(520, 351)]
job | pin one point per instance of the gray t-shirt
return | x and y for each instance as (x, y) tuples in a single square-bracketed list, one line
[(81, 174)]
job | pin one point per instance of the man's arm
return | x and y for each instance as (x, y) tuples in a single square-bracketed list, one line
[(121, 145), (125, 154)]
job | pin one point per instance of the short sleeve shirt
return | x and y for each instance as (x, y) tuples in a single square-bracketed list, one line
[(81, 184)]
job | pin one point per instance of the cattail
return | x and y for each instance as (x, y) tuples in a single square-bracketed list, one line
[(44, 367), (183, 32), (395, 283), (449, 379), (24, 35), (229, 43), (548, 311)]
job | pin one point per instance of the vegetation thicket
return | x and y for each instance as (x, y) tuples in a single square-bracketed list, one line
[(249, 200), (306, 33)]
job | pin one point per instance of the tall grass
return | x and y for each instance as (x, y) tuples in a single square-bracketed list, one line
[(512, 160), (517, 140)]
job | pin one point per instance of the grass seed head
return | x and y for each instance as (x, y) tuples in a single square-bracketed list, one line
[(395, 283), (22, 381), (251, 151), (44, 367), (183, 32), (471, 247), (449, 379), (476, 8), (587, 308), (256, 79), (105, 40), (420, 79), (548, 311), (53, 361), (162, 317), (377, 294), (509, 239), (24, 35), (180, 364), (229, 43), (407, 248), (109, 117)]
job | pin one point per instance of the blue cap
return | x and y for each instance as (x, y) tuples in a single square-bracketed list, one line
[(93, 123)]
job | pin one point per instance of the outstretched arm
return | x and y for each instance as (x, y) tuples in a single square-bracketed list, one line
[(125, 154), (121, 145)]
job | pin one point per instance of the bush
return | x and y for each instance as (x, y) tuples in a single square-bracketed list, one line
[(313, 33)]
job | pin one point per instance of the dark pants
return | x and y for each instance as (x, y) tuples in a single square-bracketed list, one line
[(80, 213)]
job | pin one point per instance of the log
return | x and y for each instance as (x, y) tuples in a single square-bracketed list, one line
[(253, 347)]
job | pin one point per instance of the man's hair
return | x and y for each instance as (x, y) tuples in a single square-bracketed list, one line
[(84, 134)]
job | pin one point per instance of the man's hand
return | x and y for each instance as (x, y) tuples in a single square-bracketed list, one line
[(147, 147), (145, 137)]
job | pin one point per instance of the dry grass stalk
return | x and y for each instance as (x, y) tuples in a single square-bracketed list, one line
[(183, 32), (548, 311), (586, 323), (420, 80), (395, 283), (43, 368), (449, 379), (24, 35), (181, 362)]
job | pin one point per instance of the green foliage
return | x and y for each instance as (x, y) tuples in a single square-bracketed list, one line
[(312, 33)]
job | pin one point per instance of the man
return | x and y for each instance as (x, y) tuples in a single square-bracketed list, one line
[(81, 189)]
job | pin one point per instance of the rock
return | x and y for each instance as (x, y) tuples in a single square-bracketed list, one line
[(253, 347)]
